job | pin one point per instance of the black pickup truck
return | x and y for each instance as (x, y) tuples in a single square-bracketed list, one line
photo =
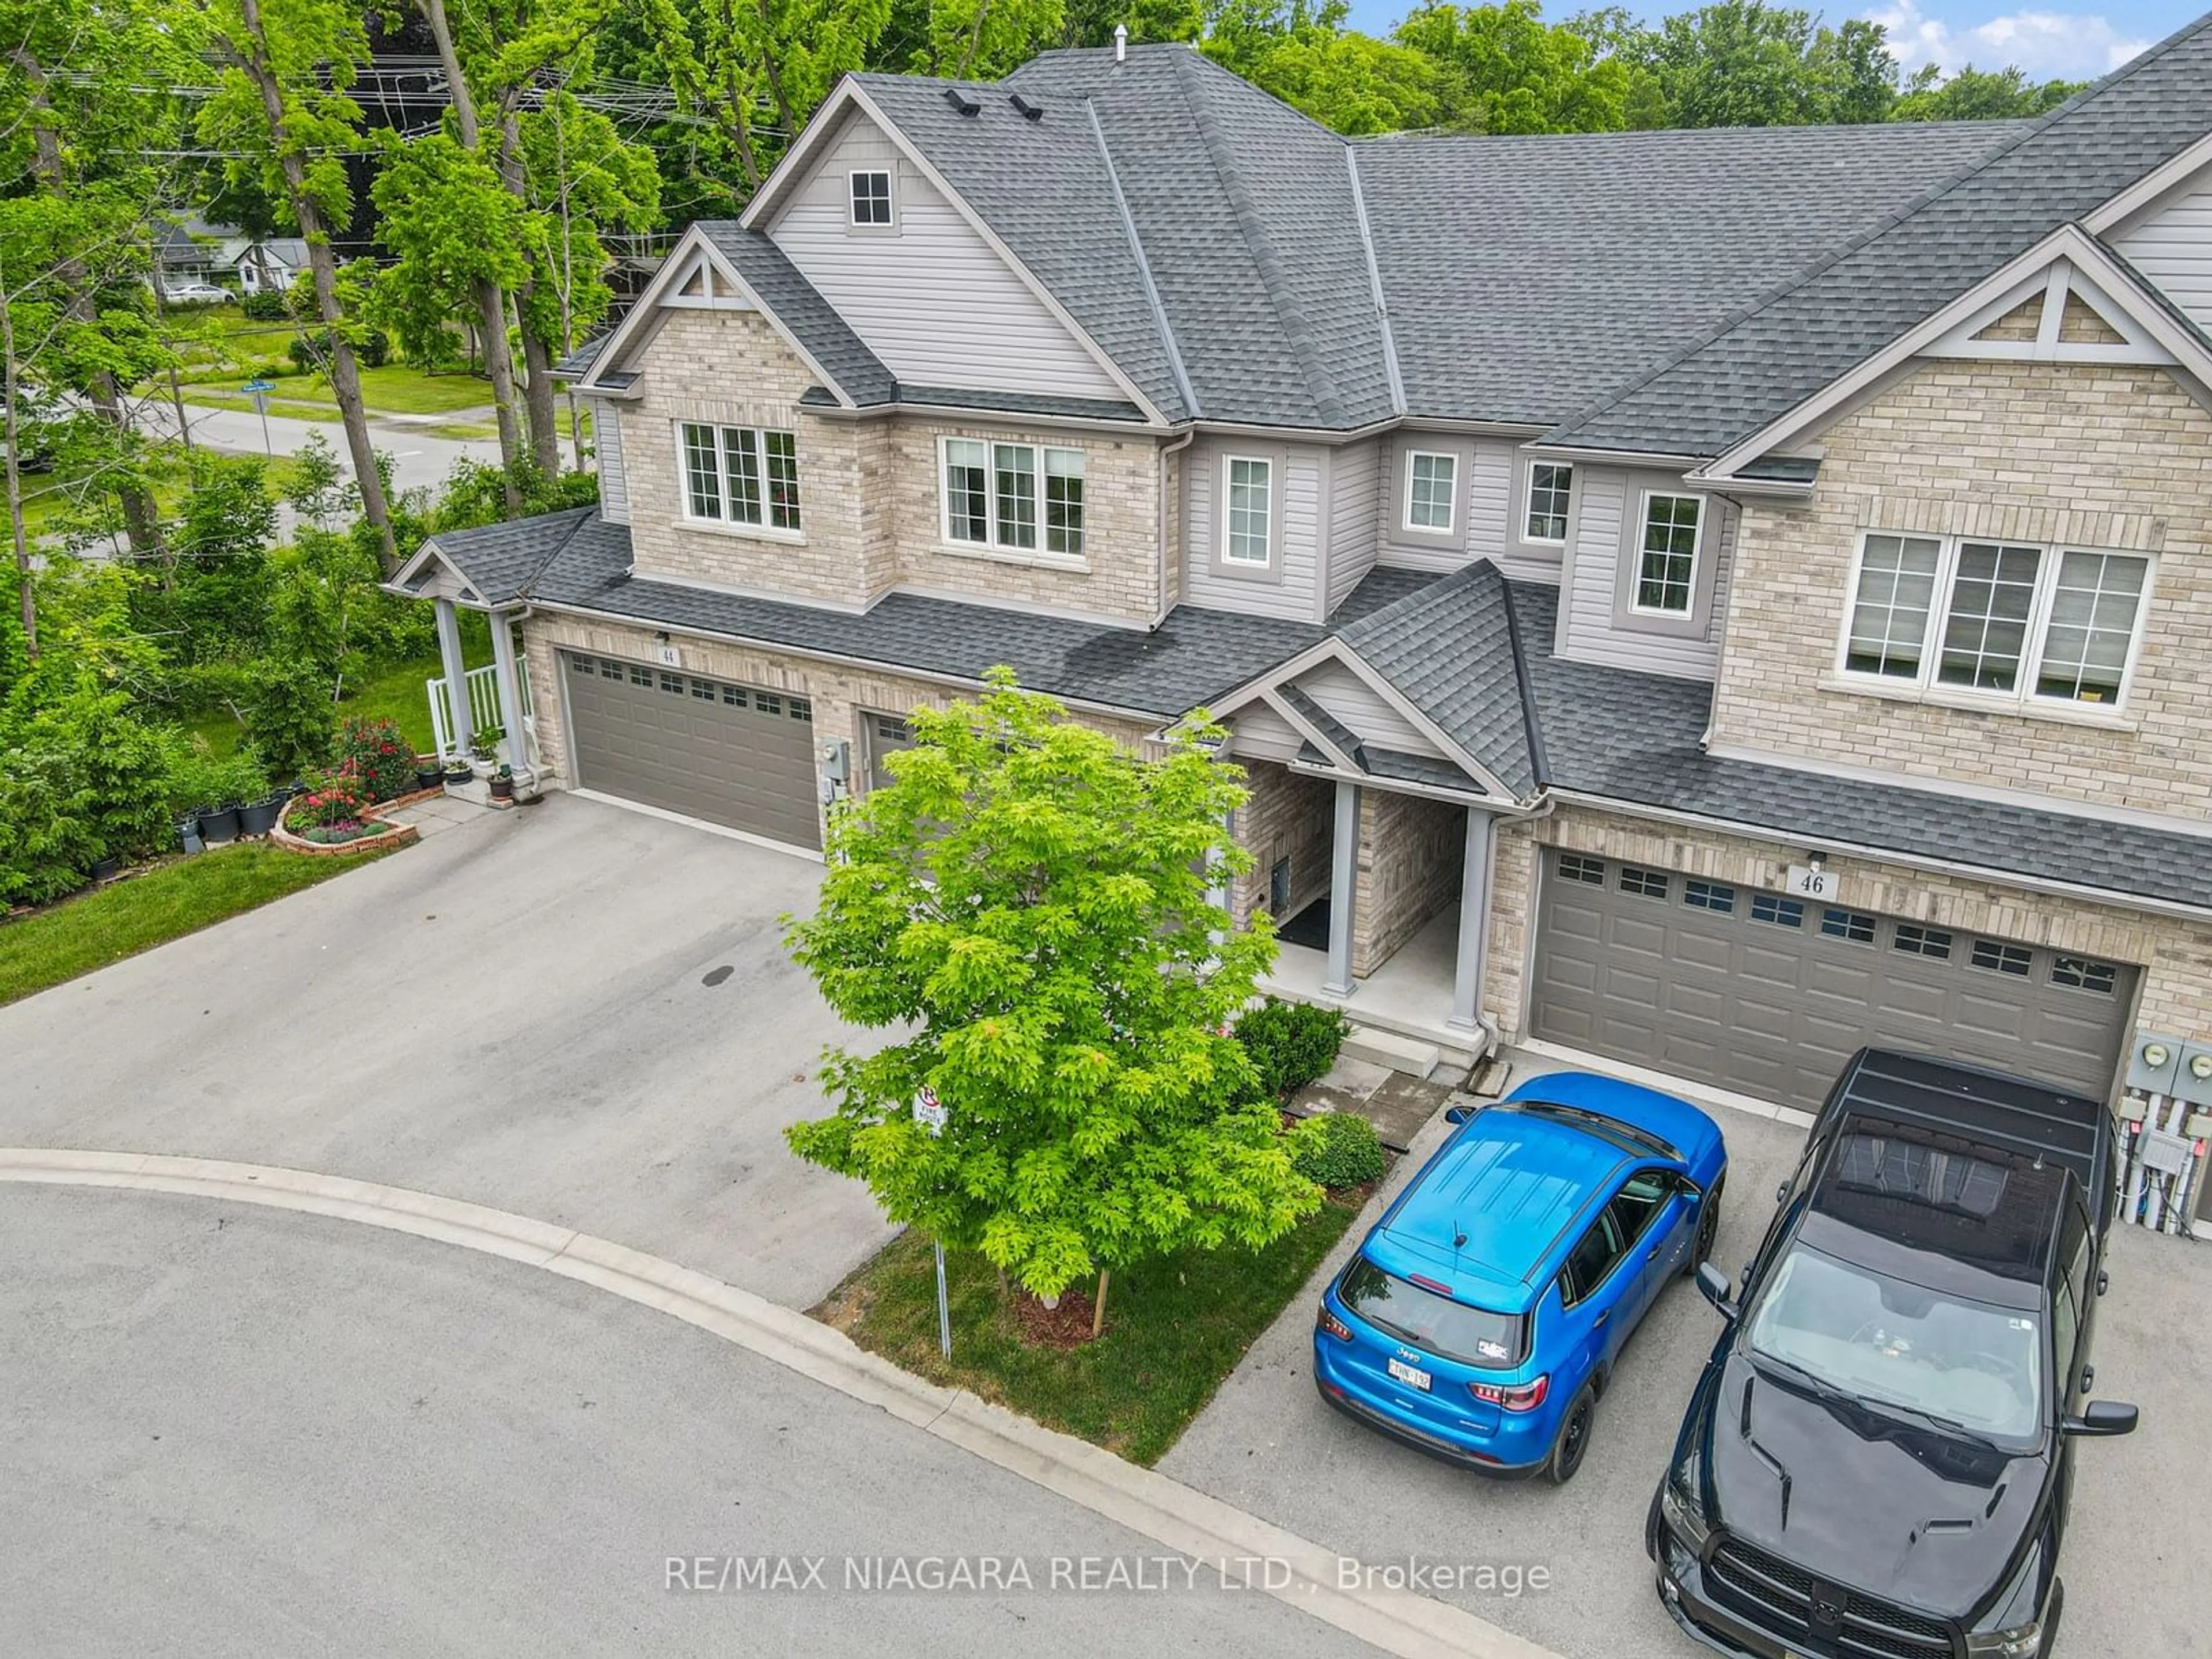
[(1877, 1460)]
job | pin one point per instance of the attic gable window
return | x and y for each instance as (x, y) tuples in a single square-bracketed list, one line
[(1013, 498), (741, 474), (872, 198)]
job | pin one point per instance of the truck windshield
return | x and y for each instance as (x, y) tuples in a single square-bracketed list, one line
[(1883, 1341)]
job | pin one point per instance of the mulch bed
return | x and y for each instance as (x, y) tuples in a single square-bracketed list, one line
[(1067, 1325)]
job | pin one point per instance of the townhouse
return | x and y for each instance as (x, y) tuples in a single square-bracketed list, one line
[(1707, 598)]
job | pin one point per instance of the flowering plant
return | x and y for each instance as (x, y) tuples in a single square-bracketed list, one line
[(379, 760), (335, 800)]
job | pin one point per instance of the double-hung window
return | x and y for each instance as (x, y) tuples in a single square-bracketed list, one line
[(1550, 488), (1432, 489), (741, 474), (2012, 622), (1249, 498), (1018, 498), (1666, 556)]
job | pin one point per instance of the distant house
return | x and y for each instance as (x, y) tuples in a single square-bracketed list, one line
[(191, 250)]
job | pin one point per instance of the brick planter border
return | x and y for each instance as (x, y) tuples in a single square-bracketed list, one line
[(395, 835)]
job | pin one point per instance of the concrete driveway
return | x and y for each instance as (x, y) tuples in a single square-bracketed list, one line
[(515, 1013), (1269, 1445)]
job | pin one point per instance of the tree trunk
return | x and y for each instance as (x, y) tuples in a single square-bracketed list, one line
[(536, 361), (1098, 1307), (142, 523), (345, 373), (491, 298), (27, 595)]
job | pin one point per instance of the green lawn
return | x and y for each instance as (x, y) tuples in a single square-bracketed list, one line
[(180, 895), (1174, 1328), (393, 691), (395, 389), (226, 395)]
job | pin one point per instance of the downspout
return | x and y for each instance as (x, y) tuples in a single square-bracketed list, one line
[(1168, 451)]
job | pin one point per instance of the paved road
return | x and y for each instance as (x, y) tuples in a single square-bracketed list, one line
[(2133, 1587), (419, 460), (229, 1431), (512, 1012)]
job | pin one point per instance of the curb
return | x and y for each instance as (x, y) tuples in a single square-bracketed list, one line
[(1221, 1537)]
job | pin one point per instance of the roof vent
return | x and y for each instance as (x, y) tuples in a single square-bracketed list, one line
[(961, 102), (1120, 43), (1029, 112)]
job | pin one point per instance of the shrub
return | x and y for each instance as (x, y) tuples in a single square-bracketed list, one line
[(378, 758), (196, 778), (311, 351), (80, 780), (1291, 1043), (336, 801), (288, 715), (1336, 1149), (266, 307)]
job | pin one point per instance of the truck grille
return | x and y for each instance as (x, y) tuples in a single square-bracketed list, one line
[(1779, 1596)]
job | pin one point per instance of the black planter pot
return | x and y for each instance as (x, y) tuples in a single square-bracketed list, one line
[(459, 775), (260, 817), (428, 777), (219, 823), (107, 869), (502, 788)]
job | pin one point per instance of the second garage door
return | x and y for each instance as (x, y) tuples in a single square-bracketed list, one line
[(1768, 995), (734, 755)]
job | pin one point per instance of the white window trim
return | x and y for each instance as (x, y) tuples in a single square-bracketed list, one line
[(993, 549), (1450, 526), (1249, 567), (764, 531), (1639, 551), (2023, 699), (1529, 507), (889, 173)]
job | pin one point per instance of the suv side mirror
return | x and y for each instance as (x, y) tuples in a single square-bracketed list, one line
[(1714, 1283), (2104, 1281), (2103, 1417), (1456, 1114)]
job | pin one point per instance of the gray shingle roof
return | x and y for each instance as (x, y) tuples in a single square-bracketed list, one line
[(500, 560), (797, 303), (1448, 650), (1797, 339)]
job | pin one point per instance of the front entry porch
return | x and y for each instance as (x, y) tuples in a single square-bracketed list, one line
[(1373, 888)]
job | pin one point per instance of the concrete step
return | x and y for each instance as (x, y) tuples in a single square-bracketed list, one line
[(1391, 1048)]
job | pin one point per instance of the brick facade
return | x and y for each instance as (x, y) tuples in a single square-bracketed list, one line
[(1290, 816), (2176, 956), (870, 498), (2094, 456), (1411, 851)]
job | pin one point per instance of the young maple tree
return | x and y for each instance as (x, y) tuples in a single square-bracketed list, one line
[(1028, 907)]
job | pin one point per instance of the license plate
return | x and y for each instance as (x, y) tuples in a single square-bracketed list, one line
[(1412, 1376)]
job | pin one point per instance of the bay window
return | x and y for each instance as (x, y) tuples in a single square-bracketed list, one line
[(741, 474), (2011, 621), (1019, 498)]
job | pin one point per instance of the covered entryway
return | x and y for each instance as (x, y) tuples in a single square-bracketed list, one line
[(734, 755), (1768, 995)]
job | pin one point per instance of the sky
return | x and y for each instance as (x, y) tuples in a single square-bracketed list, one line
[(2073, 45)]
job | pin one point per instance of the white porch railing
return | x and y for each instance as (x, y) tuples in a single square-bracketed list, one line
[(482, 685)]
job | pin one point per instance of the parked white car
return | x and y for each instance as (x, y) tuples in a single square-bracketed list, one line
[(197, 293)]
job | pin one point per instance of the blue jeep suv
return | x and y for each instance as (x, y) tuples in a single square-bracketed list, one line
[(1481, 1317)]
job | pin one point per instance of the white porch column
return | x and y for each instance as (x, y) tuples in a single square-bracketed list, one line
[(509, 680), (457, 685), (1473, 921), (1343, 885)]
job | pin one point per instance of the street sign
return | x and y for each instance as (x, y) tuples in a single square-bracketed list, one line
[(929, 1111), (261, 389), (260, 385)]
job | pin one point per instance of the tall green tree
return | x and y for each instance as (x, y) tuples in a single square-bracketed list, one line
[(1506, 70), (1975, 95), (1744, 63), (1026, 912), (282, 107)]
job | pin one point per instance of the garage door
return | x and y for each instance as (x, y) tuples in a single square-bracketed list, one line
[(732, 754), (1768, 995)]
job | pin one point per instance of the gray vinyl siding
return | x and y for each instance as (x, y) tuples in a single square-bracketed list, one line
[(614, 483), (2172, 246), (1591, 629), (1263, 734), (1485, 484), (1354, 515), (933, 300), (1290, 592), (1351, 699)]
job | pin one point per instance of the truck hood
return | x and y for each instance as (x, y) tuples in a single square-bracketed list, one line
[(1881, 1504)]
